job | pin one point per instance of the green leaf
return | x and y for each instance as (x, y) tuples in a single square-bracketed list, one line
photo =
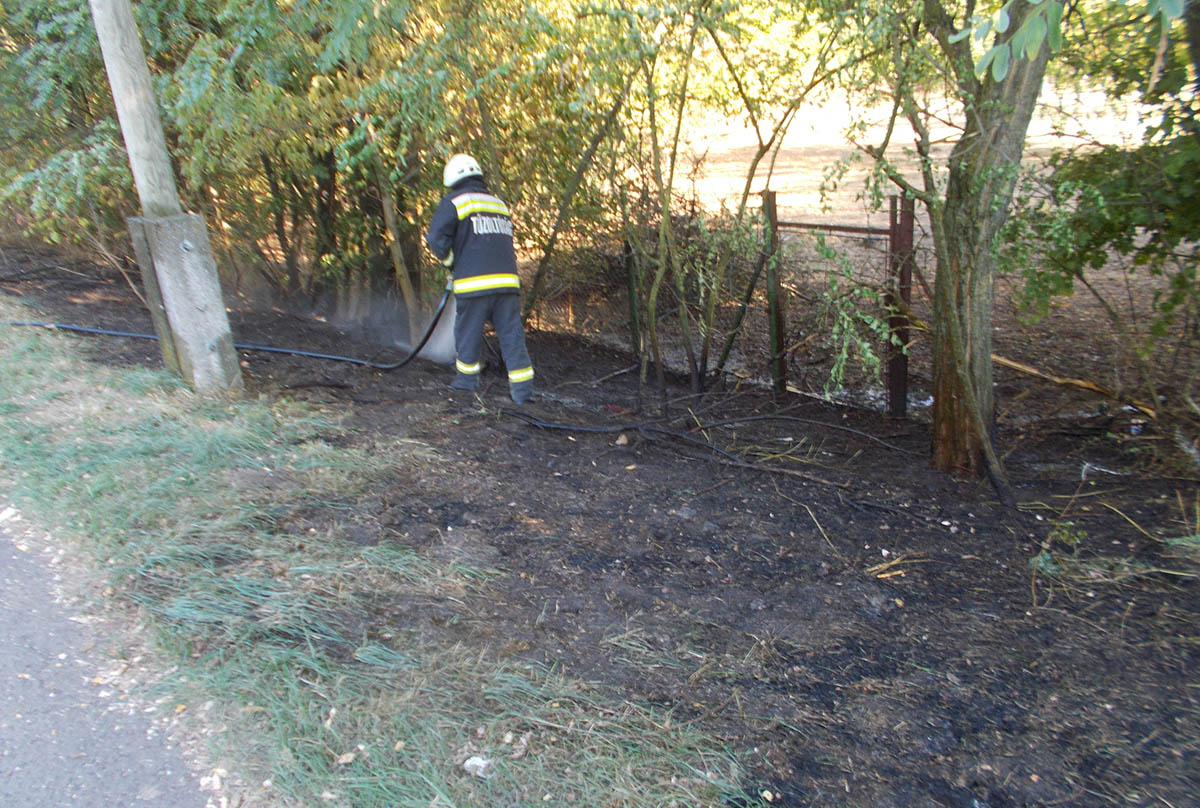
[(1172, 9), (1034, 35), (984, 61), (1001, 62), (1054, 14), (1003, 20)]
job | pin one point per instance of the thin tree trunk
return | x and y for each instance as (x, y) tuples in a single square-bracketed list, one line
[(325, 206), (564, 204), (668, 248), (222, 228), (664, 212), (291, 281), (392, 222), (1191, 18), (983, 169)]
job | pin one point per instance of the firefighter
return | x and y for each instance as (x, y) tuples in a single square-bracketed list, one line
[(471, 232)]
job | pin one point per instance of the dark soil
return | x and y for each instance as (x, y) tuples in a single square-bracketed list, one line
[(869, 632)]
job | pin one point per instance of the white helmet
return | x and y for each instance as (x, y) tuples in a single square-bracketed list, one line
[(458, 167)]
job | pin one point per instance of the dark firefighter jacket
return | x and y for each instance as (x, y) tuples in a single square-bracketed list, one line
[(472, 228)]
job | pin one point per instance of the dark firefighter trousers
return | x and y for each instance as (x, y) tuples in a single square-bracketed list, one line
[(504, 313)]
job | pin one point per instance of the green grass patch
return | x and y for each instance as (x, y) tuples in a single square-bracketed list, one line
[(296, 643)]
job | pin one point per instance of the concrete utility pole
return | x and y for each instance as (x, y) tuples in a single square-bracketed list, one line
[(172, 247)]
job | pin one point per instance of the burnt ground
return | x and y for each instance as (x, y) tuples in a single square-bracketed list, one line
[(867, 631)]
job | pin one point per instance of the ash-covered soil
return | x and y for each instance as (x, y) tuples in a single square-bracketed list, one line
[(787, 574)]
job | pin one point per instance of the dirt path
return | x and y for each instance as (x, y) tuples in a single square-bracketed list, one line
[(788, 575)]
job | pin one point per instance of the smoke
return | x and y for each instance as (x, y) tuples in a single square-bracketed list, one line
[(383, 320), (440, 347)]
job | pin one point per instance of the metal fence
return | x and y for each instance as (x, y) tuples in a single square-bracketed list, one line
[(900, 262)]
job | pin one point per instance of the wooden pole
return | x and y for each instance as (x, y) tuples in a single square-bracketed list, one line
[(137, 112), (776, 308), (172, 247), (900, 266)]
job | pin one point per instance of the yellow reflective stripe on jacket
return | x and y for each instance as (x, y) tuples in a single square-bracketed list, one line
[(522, 375), (482, 283), (463, 367), (469, 203)]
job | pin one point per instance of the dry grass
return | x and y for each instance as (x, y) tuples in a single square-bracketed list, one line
[(296, 650)]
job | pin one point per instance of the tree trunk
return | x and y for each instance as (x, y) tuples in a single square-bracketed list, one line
[(392, 222), (291, 280), (1191, 18), (564, 203), (983, 169), (325, 205)]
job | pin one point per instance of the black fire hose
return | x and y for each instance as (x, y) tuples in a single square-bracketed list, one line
[(267, 348)]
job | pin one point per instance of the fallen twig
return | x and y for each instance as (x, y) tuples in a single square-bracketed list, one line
[(814, 422), (825, 535), (885, 569), (1080, 384), (1130, 521), (729, 460), (723, 457), (613, 375)]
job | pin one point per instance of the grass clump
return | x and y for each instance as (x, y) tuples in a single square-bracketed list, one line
[(297, 643)]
